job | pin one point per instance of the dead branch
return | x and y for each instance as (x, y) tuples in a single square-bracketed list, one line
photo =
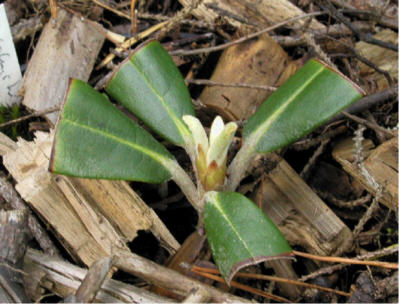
[(167, 278), (368, 102), (362, 36), (234, 84), (244, 38)]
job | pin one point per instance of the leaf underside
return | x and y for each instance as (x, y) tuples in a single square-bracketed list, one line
[(96, 140), (310, 97), (150, 85), (240, 234)]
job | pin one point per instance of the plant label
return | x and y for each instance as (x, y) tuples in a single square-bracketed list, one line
[(10, 72)]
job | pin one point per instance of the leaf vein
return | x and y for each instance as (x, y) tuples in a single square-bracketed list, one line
[(179, 125), (219, 207), (158, 157)]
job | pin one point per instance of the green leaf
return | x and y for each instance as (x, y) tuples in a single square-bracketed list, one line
[(95, 140), (311, 96), (149, 84), (240, 234)]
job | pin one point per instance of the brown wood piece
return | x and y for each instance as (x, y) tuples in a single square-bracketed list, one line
[(381, 162), (69, 49), (259, 62), (89, 221), (188, 254), (62, 278), (167, 278), (301, 215)]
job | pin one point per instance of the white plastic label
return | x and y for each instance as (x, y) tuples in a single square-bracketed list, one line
[(10, 71)]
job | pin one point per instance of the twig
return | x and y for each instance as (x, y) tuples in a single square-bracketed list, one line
[(368, 102), (308, 143), (369, 255), (244, 38), (331, 31), (306, 170), (224, 13), (359, 161), (93, 280), (162, 26), (144, 15), (348, 8), (311, 41), (115, 11), (346, 260), (369, 124), (200, 270), (34, 114), (341, 203), (370, 64), (176, 19), (233, 84), (362, 36), (53, 10), (128, 43), (243, 287), (133, 17)]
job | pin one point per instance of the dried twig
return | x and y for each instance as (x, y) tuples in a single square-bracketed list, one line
[(128, 43), (53, 10), (308, 143), (368, 102), (359, 160), (311, 41), (95, 277), (133, 17), (336, 30), (369, 124), (369, 255), (244, 38), (341, 203), (201, 270), (34, 114), (362, 36), (243, 287), (346, 260), (233, 84), (306, 170)]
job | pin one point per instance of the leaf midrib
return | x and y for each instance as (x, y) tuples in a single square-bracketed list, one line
[(157, 157), (263, 128), (232, 226), (179, 125)]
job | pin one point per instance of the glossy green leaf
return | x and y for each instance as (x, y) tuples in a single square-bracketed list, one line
[(240, 234), (95, 140), (309, 98), (149, 84)]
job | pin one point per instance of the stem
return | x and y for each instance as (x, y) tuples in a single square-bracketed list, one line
[(182, 179), (239, 165)]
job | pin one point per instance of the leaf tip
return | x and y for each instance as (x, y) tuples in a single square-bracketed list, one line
[(254, 261)]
